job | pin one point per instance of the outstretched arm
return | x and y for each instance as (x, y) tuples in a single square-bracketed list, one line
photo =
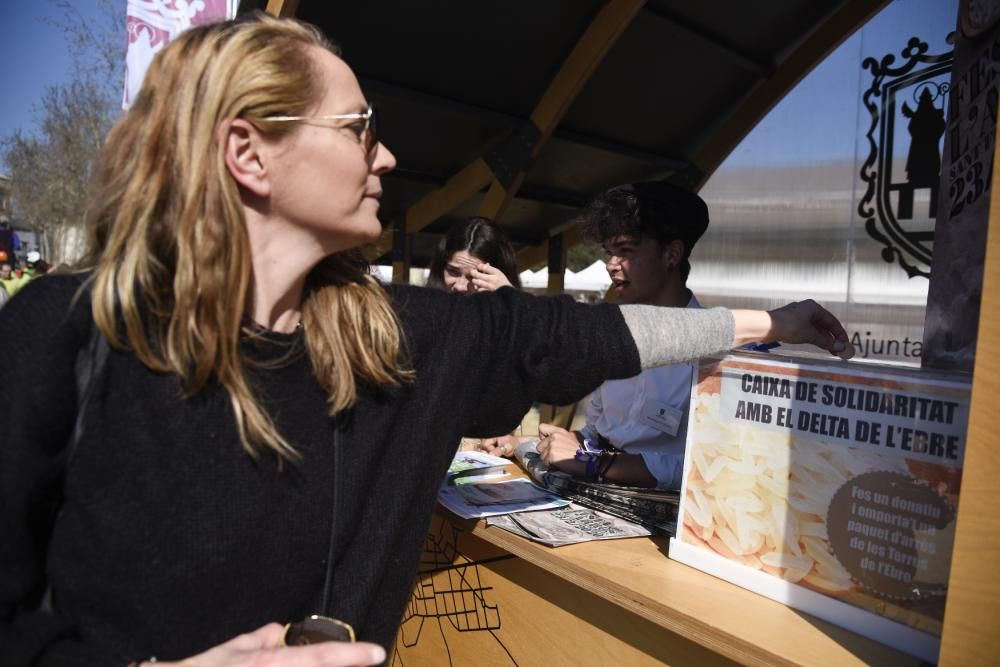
[(799, 322), (666, 336)]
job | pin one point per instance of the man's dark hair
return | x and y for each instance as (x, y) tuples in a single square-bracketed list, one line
[(653, 210)]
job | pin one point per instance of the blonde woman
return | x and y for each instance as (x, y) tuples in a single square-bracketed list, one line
[(265, 437)]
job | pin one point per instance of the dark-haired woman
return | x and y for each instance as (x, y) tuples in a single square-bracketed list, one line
[(474, 256)]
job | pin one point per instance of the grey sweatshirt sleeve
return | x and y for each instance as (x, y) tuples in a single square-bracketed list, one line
[(667, 336)]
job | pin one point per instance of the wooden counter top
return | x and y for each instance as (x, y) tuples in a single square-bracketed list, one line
[(636, 575)]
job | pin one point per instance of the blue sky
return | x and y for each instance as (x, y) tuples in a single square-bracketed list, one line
[(33, 56), (811, 123), (808, 125)]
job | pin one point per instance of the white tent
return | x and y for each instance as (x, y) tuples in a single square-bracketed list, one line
[(594, 278), (383, 273), (535, 279), (418, 276)]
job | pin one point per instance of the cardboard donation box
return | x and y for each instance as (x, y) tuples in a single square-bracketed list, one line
[(830, 487)]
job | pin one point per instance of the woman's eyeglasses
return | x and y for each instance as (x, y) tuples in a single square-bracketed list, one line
[(365, 124)]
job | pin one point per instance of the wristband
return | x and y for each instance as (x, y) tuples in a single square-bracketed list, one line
[(602, 474), (591, 459)]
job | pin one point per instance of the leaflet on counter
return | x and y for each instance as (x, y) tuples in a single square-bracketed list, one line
[(567, 525), (474, 466), (516, 495)]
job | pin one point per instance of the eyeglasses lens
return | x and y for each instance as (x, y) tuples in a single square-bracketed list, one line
[(371, 131)]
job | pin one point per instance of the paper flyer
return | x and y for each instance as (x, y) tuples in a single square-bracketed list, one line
[(830, 487), (517, 495)]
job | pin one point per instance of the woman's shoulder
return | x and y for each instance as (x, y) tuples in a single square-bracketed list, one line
[(408, 296), (422, 311), (57, 288), (57, 285), (415, 301), (49, 300)]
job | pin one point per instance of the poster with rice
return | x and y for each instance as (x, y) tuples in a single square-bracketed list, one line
[(827, 486)]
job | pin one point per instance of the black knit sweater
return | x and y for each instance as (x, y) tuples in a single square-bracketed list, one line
[(171, 539)]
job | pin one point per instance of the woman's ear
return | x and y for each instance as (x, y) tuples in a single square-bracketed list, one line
[(241, 145)]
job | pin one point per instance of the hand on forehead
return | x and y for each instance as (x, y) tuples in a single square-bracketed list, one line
[(465, 259)]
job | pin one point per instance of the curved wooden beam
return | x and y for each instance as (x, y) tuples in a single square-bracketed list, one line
[(593, 45), (282, 8), (731, 130), (589, 52)]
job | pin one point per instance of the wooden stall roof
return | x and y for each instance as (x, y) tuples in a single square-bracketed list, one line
[(522, 110)]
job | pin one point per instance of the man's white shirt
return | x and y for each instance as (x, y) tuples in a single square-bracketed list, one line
[(646, 415)]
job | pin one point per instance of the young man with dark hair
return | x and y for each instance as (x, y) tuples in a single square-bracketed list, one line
[(648, 231)]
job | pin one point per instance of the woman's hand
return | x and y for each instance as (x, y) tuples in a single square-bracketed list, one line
[(262, 648), (502, 446), (799, 322), (557, 449), (486, 278)]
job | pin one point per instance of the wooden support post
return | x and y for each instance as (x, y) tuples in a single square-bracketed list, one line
[(539, 254), (557, 265), (282, 8), (970, 634), (402, 254)]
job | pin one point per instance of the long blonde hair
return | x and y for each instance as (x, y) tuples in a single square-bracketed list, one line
[(169, 248)]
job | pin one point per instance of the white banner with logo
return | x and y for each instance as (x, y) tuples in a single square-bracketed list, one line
[(151, 24)]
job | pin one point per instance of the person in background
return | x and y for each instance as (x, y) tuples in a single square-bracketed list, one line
[(12, 279), (10, 242), (34, 264), (41, 267), (265, 437), (648, 231), (474, 256)]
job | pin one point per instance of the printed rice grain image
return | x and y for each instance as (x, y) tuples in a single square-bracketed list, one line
[(763, 497)]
